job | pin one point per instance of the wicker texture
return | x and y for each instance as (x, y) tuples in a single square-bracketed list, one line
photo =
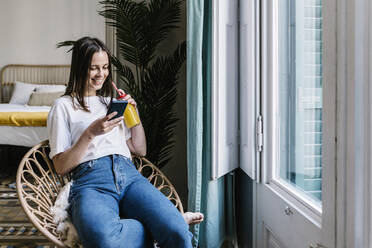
[(38, 186)]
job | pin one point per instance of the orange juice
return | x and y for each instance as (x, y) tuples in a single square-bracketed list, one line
[(131, 118)]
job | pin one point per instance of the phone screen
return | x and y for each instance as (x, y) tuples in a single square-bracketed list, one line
[(118, 106)]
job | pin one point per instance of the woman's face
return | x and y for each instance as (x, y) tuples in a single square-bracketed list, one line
[(97, 73)]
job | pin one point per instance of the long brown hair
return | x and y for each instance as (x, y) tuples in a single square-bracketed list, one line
[(82, 53)]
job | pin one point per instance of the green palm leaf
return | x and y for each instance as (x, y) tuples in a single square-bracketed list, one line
[(159, 85), (126, 17), (66, 43)]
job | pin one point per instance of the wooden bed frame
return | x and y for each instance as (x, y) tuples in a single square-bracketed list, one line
[(37, 74)]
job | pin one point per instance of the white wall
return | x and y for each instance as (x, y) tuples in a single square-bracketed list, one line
[(30, 30)]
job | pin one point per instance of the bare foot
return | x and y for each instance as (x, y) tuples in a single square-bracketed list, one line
[(192, 218)]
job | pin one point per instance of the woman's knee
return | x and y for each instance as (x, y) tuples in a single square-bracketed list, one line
[(99, 237), (103, 240), (178, 236), (135, 234), (126, 233)]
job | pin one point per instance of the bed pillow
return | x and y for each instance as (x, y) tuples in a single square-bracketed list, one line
[(50, 88), (21, 93), (44, 98)]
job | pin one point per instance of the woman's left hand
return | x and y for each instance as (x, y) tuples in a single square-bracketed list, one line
[(127, 98)]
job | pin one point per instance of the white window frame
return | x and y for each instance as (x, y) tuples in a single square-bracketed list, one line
[(244, 87), (354, 140), (224, 87), (249, 88)]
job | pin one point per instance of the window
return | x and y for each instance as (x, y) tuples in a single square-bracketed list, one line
[(298, 75), (300, 94)]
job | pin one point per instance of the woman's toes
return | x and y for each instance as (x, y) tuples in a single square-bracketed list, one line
[(193, 218)]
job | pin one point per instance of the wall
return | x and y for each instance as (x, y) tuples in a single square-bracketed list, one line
[(244, 209), (30, 30), (176, 170)]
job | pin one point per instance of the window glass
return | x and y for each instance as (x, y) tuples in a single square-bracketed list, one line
[(300, 95)]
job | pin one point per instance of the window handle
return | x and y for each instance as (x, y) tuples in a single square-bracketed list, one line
[(288, 210)]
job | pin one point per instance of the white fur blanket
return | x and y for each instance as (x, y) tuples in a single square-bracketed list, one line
[(60, 218)]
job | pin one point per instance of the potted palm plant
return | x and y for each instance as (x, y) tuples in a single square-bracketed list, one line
[(149, 77)]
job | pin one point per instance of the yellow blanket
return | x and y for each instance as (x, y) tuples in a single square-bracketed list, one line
[(21, 119)]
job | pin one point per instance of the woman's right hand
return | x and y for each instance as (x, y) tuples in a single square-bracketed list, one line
[(69, 159), (104, 125)]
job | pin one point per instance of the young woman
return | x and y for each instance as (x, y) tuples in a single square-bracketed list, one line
[(111, 203)]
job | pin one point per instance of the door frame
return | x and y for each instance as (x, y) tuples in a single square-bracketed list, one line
[(330, 109), (354, 129)]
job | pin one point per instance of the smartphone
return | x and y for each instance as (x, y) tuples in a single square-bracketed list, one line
[(118, 106)]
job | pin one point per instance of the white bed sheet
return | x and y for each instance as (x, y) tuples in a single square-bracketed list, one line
[(22, 136), (6, 107)]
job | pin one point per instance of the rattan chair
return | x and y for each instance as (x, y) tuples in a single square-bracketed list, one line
[(38, 186)]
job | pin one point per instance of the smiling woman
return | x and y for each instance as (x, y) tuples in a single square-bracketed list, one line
[(89, 71), (98, 72), (96, 150)]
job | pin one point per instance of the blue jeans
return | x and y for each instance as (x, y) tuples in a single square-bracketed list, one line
[(113, 205)]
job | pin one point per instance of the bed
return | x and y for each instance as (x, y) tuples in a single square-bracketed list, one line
[(26, 92)]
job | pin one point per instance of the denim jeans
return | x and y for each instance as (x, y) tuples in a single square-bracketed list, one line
[(113, 205)]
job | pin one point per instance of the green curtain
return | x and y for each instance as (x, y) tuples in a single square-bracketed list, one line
[(214, 198)]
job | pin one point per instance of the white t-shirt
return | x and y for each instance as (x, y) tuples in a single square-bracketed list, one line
[(66, 123)]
